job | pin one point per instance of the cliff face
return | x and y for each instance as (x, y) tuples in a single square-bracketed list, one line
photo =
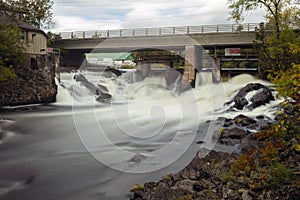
[(35, 83)]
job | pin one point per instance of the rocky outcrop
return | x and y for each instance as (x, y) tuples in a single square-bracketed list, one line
[(33, 85), (201, 178), (114, 71), (236, 130), (100, 91), (261, 97)]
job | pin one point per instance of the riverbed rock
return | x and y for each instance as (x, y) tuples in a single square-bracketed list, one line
[(261, 97), (200, 177), (100, 91), (114, 71), (103, 97), (244, 120)]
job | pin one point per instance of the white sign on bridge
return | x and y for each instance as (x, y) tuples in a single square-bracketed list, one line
[(232, 51)]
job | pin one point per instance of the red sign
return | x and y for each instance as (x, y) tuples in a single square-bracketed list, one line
[(232, 51), (50, 50)]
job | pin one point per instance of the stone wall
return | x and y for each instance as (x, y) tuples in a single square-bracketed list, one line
[(35, 82)]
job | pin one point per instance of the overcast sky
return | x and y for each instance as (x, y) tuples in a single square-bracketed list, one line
[(71, 15)]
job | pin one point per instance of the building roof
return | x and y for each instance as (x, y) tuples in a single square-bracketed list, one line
[(6, 19)]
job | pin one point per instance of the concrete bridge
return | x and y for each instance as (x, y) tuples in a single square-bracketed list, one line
[(192, 40)]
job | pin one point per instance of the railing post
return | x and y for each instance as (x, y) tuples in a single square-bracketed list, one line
[(188, 30), (107, 33), (173, 30), (217, 28), (83, 34), (72, 35), (133, 34), (202, 29), (96, 34)]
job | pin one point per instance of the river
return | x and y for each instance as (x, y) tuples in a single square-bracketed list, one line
[(78, 148)]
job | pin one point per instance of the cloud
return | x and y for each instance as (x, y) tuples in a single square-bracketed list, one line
[(102, 15)]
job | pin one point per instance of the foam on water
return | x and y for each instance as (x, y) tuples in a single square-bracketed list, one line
[(143, 96)]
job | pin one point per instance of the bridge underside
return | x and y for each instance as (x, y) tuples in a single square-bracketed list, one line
[(194, 52)]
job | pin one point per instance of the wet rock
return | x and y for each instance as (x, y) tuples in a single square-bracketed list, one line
[(234, 133), (228, 141), (244, 120), (114, 71), (263, 96), (240, 103), (260, 117), (104, 97), (138, 157), (80, 78), (99, 90), (102, 88)]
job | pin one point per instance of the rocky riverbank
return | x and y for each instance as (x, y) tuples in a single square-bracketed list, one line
[(32, 86), (267, 166)]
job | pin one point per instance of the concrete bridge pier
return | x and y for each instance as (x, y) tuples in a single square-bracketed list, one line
[(193, 61), (216, 71), (143, 69)]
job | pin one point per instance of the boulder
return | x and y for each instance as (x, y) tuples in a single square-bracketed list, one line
[(114, 71), (104, 97), (234, 133), (99, 90), (263, 96), (244, 120)]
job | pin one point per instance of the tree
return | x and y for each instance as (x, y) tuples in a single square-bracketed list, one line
[(35, 12), (277, 53), (11, 52), (279, 13)]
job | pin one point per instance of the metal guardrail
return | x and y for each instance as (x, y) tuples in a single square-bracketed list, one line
[(158, 31)]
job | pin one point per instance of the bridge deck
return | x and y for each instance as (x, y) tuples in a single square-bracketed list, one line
[(158, 31)]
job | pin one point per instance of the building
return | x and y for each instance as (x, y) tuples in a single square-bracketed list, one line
[(35, 81), (35, 39)]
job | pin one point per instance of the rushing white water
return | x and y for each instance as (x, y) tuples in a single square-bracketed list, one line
[(62, 150), (147, 112)]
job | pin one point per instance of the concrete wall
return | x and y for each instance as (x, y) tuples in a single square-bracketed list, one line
[(34, 85)]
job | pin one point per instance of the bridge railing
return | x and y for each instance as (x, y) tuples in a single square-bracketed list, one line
[(158, 31)]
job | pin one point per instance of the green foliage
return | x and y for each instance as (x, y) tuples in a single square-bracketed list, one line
[(288, 82), (279, 12), (11, 52), (11, 47), (278, 53), (7, 75), (137, 187), (261, 168), (35, 12)]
